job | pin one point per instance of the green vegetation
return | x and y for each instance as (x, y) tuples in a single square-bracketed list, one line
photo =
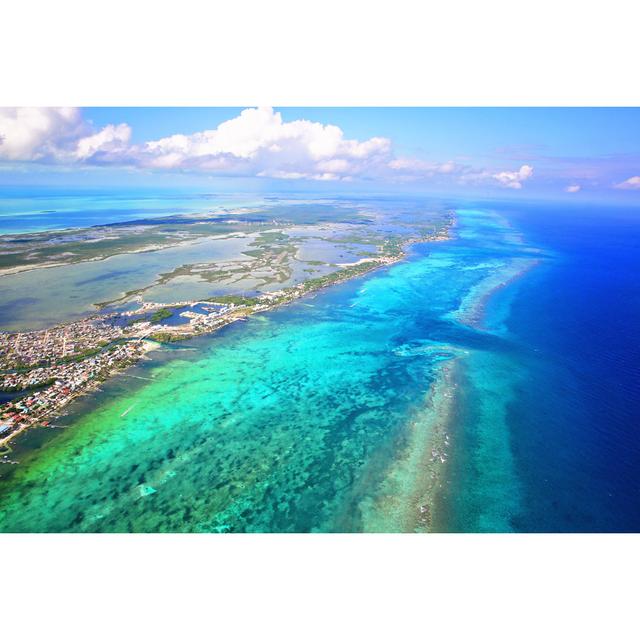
[(365, 238), (342, 274), (29, 387), (392, 247), (165, 337), (267, 237), (160, 314), (77, 357), (96, 243)]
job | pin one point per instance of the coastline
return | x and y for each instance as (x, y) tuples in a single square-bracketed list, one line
[(272, 301), (90, 387), (407, 483)]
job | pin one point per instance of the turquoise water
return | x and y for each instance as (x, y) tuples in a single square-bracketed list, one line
[(321, 416), (28, 210)]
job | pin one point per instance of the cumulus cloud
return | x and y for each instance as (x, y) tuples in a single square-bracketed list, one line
[(514, 179), (55, 134), (630, 183), (257, 142), (415, 169), (573, 188), (31, 133), (111, 140), (505, 179)]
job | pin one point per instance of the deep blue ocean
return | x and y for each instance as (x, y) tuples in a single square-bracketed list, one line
[(575, 419)]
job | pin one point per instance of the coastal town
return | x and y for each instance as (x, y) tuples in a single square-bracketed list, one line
[(42, 372)]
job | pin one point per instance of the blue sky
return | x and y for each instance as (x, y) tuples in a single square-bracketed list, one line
[(436, 130), (563, 152)]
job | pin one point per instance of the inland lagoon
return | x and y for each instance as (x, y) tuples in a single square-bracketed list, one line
[(482, 384)]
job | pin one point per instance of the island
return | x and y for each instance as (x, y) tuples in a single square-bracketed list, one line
[(42, 371)]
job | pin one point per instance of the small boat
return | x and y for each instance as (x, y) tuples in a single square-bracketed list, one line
[(124, 413)]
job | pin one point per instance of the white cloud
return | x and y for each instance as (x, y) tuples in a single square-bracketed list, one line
[(573, 188), (257, 142), (111, 139), (506, 179), (56, 134), (630, 183), (33, 133), (514, 179), (421, 168)]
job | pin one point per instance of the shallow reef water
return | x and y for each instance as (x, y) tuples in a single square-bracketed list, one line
[(387, 403)]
